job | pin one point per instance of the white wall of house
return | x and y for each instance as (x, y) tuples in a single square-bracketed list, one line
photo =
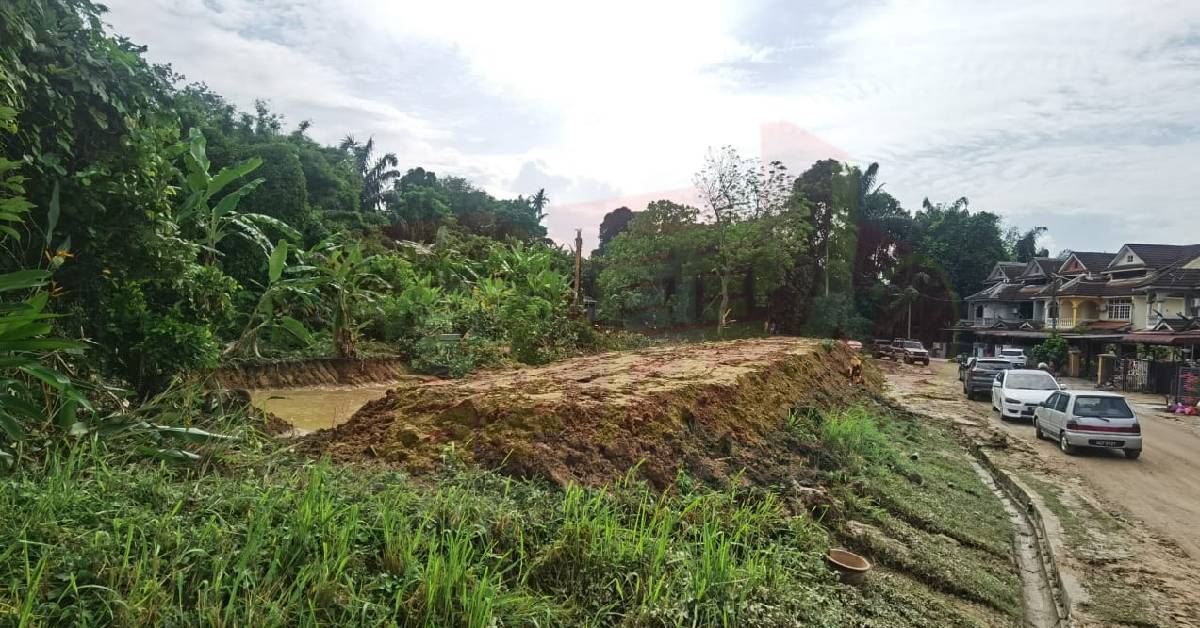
[(1139, 311), (993, 310), (1143, 310)]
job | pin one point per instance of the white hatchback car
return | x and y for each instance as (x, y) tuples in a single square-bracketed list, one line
[(1089, 419), (1016, 393)]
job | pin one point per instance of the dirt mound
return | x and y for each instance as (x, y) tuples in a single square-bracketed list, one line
[(311, 373), (714, 409)]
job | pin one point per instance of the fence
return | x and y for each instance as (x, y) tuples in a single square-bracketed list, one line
[(1187, 385), (1148, 376)]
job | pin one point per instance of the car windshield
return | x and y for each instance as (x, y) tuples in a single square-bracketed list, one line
[(913, 345), (1030, 381), (995, 365), (1102, 407)]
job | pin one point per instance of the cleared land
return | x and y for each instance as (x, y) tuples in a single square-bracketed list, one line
[(714, 409)]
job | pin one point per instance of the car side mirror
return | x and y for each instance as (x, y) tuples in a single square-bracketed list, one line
[(1062, 386)]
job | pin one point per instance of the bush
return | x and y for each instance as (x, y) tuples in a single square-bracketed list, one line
[(1053, 350), (455, 358)]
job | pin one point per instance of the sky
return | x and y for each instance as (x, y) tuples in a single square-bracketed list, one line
[(1079, 116)]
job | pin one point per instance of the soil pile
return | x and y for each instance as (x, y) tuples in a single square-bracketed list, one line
[(714, 409), (327, 372)]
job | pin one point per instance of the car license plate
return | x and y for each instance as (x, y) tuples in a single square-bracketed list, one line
[(1107, 443)]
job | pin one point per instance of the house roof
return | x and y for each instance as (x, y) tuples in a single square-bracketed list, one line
[(1040, 267), (1177, 275), (1005, 271), (1156, 255), (1092, 261), (1084, 287)]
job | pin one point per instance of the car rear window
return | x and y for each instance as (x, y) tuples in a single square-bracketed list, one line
[(1102, 407), (993, 365), (1031, 381), (1012, 352)]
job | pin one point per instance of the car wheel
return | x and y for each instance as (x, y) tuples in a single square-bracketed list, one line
[(1133, 454), (1037, 430), (1067, 448)]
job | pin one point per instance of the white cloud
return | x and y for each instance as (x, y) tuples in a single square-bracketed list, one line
[(1078, 114)]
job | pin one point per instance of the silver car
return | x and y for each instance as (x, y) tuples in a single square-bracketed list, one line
[(1089, 419)]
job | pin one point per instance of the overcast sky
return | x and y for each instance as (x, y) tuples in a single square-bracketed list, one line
[(1081, 116)]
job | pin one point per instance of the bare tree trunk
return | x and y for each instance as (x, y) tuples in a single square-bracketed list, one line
[(724, 311)]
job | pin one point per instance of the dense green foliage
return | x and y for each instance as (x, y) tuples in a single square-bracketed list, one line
[(827, 253), (170, 202)]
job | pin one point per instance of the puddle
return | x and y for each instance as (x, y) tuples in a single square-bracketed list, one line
[(319, 407)]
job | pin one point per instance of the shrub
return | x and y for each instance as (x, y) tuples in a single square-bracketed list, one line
[(455, 358), (1053, 349)]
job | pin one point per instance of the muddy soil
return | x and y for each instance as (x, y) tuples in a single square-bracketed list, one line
[(714, 409), (1127, 526)]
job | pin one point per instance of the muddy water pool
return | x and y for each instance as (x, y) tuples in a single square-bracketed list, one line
[(318, 407)]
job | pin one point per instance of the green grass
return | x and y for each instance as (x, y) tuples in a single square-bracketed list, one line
[(931, 515), (258, 537)]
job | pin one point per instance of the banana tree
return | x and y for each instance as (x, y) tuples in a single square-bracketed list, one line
[(342, 272), (278, 291), (216, 221)]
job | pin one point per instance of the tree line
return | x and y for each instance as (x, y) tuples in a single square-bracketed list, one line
[(829, 252)]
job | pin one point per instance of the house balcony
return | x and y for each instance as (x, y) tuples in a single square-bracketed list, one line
[(1009, 321), (1063, 322)]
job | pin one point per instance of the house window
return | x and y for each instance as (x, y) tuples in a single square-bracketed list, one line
[(978, 311), (1120, 309), (1129, 259), (1052, 309)]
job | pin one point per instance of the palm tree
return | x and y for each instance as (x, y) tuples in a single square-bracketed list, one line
[(908, 294), (376, 174), (539, 202)]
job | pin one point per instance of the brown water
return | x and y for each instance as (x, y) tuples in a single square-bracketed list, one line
[(319, 407)]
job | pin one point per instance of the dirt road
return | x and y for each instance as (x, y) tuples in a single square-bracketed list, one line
[(1129, 526), (1162, 488)]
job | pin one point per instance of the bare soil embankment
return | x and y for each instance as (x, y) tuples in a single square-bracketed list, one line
[(714, 409), (321, 372)]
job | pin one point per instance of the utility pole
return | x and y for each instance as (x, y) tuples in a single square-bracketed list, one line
[(909, 319), (578, 264)]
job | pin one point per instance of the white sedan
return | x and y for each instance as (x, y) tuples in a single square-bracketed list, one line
[(1017, 393)]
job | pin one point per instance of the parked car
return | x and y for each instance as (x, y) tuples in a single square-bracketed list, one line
[(1089, 419), (881, 348), (979, 377), (964, 364), (1018, 392), (909, 351), (1014, 355), (854, 345)]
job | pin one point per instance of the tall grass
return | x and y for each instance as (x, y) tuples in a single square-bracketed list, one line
[(92, 538)]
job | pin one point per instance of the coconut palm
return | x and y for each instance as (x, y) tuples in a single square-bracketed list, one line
[(377, 174)]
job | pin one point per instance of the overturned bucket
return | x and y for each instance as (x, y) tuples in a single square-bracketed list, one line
[(851, 567)]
